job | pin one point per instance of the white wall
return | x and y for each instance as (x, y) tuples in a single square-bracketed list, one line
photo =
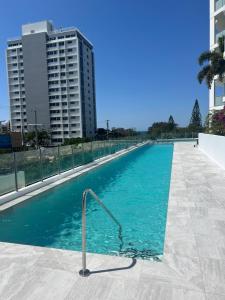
[(214, 147)]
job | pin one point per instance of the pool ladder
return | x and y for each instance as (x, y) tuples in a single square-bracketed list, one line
[(84, 271)]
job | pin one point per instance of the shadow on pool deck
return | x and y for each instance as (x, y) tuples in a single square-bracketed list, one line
[(134, 261)]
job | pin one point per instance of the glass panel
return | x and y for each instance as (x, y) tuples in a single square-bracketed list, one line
[(28, 167), (87, 149), (108, 148), (96, 153), (50, 161), (112, 146), (66, 158), (77, 155), (115, 143), (104, 148), (7, 174), (101, 149), (219, 101), (120, 145)]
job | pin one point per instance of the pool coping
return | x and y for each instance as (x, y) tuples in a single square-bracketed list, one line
[(16, 197)]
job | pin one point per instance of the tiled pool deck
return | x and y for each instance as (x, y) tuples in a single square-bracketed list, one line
[(193, 266)]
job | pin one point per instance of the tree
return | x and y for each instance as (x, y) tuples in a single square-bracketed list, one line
[(171, 124), (215, 66), (101, 133), (43, 138), (196, 118), (131, 132), (157, 129), (122, 132)]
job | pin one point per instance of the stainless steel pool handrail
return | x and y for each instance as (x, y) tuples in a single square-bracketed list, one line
[(84, 271)]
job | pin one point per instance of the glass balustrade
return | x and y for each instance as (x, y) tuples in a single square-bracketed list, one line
[(20, 169)]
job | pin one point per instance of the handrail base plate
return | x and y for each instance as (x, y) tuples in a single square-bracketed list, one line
[(84, 273)]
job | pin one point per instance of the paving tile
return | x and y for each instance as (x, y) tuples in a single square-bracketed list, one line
[(92, 288), (21, 281), (198, 212), (154, 291), (213, 275), (178, 271), (214, 297), (208, 249), (181, 244)]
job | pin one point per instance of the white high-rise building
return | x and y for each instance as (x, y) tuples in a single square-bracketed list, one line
[(217, 29), (51, 80)]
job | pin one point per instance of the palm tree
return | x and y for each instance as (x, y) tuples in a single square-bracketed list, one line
[(215, 66)]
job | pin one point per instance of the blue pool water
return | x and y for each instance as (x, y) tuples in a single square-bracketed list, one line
[(134, 187)]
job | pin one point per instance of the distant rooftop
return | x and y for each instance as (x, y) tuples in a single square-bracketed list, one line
[(45, 26)]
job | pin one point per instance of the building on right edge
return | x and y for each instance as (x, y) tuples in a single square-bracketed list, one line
[(217, 29)]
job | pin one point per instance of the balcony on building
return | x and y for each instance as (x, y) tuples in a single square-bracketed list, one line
[(219, 25), (219, 4), (219, 93)]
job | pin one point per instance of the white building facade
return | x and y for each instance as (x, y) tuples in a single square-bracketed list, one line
[(217, 29), (51, 79)]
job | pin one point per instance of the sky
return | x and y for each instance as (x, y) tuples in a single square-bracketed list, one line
[(146, 54)]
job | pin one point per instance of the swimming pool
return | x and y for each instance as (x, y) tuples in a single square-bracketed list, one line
[(135, 187)]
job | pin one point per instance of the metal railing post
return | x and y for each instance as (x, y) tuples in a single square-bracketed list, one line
[(92, 152), (104, 149), (73, 161), (83, 155), (15, 171), (59, 171), (41, 164)]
